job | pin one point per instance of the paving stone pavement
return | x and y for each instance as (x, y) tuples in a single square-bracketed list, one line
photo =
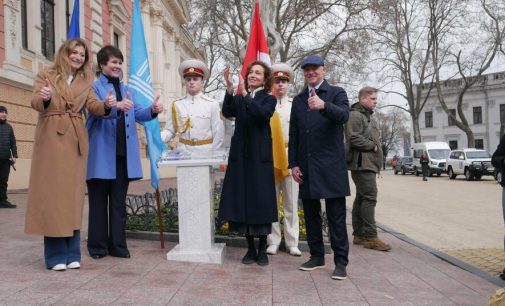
[(407, 275), (489, 260)]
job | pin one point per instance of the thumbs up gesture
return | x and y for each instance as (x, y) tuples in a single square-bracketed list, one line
[(46, 91), (315, 103), (126, 104), (157, 106), (110, 100)]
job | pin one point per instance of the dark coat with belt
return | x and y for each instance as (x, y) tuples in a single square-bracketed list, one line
[(316, 143), (248, 194), (499, 158)]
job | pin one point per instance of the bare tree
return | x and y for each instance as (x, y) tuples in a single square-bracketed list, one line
[(404, 43), (470, 63), (392, 128), (334, 29)]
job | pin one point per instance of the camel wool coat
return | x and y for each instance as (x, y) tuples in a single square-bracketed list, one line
[(58, 170)]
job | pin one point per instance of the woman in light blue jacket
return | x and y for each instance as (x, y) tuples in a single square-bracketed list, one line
[(114, 158)]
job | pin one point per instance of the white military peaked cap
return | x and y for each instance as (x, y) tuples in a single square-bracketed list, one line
[(282, 71), (193, 67)]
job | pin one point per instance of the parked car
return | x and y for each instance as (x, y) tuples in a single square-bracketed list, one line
[(437, 153), (472, 163), (404, 165)]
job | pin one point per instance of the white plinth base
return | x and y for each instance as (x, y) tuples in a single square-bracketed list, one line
[(215, 255)]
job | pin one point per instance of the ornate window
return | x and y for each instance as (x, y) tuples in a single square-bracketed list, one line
[(47, 24)]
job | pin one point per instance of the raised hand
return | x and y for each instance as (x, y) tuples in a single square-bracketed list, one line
[(46, 91), (241, 86), (157, 106), (228, 79), (110, 100)]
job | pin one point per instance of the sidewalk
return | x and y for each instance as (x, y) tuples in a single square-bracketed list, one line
[(407, 275)]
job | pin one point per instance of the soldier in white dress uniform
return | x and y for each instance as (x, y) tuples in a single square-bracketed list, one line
[(194, 121), (283, 74)]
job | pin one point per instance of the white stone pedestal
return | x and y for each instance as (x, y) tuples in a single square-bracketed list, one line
[(196, 217)]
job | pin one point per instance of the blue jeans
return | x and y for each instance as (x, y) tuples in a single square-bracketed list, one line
[(62, 250)]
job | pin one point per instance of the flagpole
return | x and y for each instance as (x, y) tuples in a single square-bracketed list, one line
[(160, 220)]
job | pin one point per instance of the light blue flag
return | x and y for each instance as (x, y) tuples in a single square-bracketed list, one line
[(73, 29), (142, 91)]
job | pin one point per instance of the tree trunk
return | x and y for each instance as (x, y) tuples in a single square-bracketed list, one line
[(470, 138), (416, 130)]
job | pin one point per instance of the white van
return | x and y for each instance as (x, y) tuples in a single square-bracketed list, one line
[(437, 152)]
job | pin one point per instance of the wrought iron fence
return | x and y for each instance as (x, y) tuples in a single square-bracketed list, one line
[(142, 215)]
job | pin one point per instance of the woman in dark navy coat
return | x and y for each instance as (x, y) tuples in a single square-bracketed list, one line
[(248, 200)]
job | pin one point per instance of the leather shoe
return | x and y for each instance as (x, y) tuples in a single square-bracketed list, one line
[(272, 249), (249, 257), (262, 258), (7, 204), (98, 256), (127, 255)]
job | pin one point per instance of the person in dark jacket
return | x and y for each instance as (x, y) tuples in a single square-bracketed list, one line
[(8, 155), (424, 161), (248, 200), (498, 161), (364, 138), (318, 164)]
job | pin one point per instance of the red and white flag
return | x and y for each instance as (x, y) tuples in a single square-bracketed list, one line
[(257, 46)]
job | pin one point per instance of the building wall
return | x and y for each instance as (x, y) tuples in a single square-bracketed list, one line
[(488, 94), (167, 42)]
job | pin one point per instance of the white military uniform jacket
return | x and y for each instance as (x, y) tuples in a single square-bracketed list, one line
[(202, 117), (288, 187), (283, 107)]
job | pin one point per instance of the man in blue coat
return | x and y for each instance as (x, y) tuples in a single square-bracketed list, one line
[(318, 164)]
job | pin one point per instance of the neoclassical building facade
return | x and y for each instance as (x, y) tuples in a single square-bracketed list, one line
[(483, 106), (32, 30)]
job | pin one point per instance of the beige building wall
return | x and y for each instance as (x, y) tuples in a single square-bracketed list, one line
[(168, 44)]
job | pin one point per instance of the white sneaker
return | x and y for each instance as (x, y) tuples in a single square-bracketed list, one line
[(74, 265), (59, 267), (295, 251), (272, 249)]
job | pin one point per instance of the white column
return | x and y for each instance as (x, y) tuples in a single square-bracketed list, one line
[(177, 62), (172, 71), (12, 31), (157, 51), (196, 218)]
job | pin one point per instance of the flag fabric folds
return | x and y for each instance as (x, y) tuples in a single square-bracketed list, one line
[(257, 46), (141, 90), (257, 49), (73, 29)]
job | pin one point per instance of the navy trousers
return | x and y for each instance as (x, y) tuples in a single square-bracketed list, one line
[(336, 214), (62, 250)]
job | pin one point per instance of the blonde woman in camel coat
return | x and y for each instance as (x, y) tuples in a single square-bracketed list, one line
[(58, 170)]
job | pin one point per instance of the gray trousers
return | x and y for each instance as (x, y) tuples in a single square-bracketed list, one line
[(363, 208)]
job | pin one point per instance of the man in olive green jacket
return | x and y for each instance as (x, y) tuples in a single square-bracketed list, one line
[(366, 163)]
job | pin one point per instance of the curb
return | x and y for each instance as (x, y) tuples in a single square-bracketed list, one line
[(450, 259)]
